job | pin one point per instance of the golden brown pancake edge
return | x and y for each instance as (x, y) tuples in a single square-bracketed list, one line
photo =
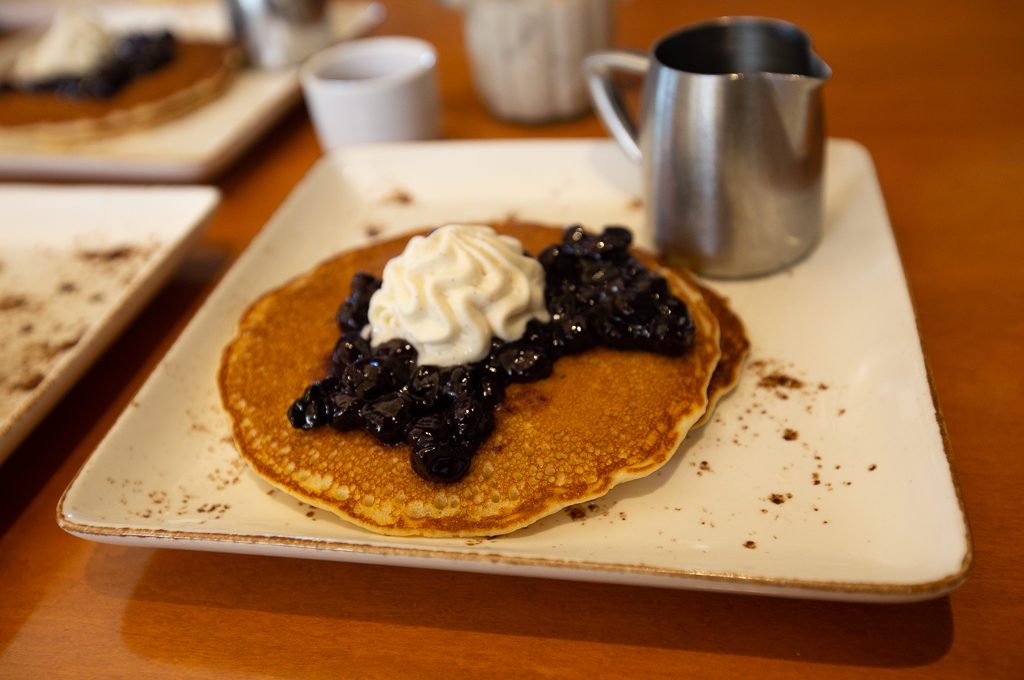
[(735, 346)]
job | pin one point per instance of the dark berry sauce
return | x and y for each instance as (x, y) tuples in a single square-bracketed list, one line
[(597, 293), (134, 55)]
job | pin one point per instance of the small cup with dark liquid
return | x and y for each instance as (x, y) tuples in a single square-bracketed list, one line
[(372, 90)]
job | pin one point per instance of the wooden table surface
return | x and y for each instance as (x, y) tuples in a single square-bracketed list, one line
[(935, 90)]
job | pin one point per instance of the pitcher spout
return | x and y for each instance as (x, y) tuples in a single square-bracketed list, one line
[(819, 71)]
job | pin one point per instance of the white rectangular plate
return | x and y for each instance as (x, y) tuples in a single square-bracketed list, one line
[(856, 501), (76, 264), (196, 146)]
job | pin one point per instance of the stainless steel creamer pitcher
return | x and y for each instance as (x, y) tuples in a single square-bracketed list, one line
[(731, 137)]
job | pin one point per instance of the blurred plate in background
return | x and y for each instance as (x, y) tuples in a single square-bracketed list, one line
[(192, 148), (76, 265)]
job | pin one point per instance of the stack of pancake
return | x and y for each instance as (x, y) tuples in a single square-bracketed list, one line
[(198, 73), (602, 418)]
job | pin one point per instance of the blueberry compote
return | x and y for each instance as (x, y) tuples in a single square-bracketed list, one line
[(134, 55), (597, 293)]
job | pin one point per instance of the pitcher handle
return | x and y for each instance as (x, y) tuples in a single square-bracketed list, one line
[(598, 68)]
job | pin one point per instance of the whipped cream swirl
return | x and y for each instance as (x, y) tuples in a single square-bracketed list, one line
[(448, 293), (76, 44)]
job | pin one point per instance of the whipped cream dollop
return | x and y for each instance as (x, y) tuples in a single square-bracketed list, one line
[(76, 44), (448, 293)]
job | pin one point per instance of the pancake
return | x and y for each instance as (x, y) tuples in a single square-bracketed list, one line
[(198, 73), (602, 418), (733, 342)]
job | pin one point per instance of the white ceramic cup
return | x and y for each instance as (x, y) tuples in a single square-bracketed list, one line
[(372, 90)]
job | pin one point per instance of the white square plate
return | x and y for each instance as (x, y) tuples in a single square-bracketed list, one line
[(76, 264), (196, 146), (834, 484)]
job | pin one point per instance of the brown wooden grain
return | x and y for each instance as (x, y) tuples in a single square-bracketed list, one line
[(935, 90)]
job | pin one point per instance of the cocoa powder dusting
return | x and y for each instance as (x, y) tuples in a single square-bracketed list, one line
[(30, 382), (8, 302), (52, 350), (399, 197), (778, 380), (108, 254)]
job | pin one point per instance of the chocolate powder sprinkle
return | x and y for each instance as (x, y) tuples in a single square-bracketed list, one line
[(8, 302), (30, 382), (398, 196), (790, 434), (108, 255), (750, 545), (53, 350), (780, 380)]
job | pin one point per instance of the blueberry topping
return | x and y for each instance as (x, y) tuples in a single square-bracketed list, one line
[(387, 417), (428, 430), (133, 55), (353, 314), (310, 410), (458, 382), (470, 422), (425, 387), (304, 414), (492, 390), (365, 380), (396, 349), (343, 411), (349, 350), (597, 294), (440, 462), (524, 363)]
